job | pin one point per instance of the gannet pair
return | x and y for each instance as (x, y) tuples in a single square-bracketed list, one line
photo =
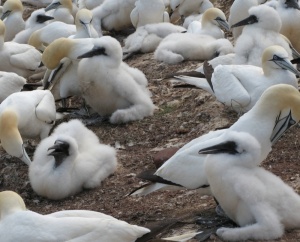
[(275, 112), (25, 115), (240, 86), (254, 198), (62, 10), (148, 12), (68, 225), (12, 18), (69, 160)]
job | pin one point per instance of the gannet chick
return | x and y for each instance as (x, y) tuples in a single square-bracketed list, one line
[(12, 18), (148, 12), (25, 115), (110, 86), (21, 59), (10, 83), (211, 22), (38, 19), (261, 30), (113, 15), (176, 48), (62, 10), (146, 38), (89, 4), (86, 226), (254, 198), (240, 86), (41, 38), (275, 112), (69, 160)]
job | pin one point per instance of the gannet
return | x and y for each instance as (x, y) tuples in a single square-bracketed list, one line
[(25, 115), (254, 198), (21, 59), (261, 30), (146, 38), (148, 12), (211, 22), (110, 86), (62, 10), (12, 18), (38, 19), (82, 225), (240, 86), (113, 15), (69, 160), (275, 112), (89, 4), (186, 46)]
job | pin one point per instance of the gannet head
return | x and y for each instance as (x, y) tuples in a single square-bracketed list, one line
[(84, 19), (10, 137), (11, 6), (59, 4), (35, 40), (10, 202), (216, 17), (276, 56), (263, 17), (2, 28)]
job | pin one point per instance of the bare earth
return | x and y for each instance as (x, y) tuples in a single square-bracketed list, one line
[(182, 115)]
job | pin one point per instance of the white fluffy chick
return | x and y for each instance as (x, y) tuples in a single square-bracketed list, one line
[(69, 160)]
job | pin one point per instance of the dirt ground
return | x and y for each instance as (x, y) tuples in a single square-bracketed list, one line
[(182, 115)]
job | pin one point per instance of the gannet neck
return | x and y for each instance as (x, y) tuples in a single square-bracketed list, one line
[(35, 40), (10, 202), (67, 4)]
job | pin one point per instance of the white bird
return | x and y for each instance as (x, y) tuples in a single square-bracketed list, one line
[(254, 198), (12, 18), (146, 38), (70, 225), (211, 22), (21, 59), (110, 86), (240, 86), (178, 47), (148, 12), (261, 30), (113, 15), (38, 19), (186, 7), (69, 160), (62, 10), (275, 112), (25, 115), (89, 4)]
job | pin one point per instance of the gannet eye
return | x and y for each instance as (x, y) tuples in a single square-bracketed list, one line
[(51, 122), (81, 22)]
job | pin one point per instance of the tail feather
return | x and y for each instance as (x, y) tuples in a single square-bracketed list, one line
[(197, 82)]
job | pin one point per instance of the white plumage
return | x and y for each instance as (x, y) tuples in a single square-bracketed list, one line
[(110, 86), (89, 4), (82, 225), (257, 200), (70, 160)]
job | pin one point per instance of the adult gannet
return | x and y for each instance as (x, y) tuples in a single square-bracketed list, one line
[(146, 38), (38, 19), (148, 12), (110, 86), (25, 115), (21, 59), (69, 160), (186, 46), (113, 15), (62, 10), (89, 4), (261, 30), (240, 86), (275, 112), (12, 18), (254, 198), (82, 225)]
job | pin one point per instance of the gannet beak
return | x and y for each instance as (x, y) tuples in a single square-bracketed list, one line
[(41, 18), (225, 147), (250, 20), (93, 52), (52, 6), (296, 61), (295, 53), (292, 4), (287, 65), (223, 23), (88, 29), (281, 125), (25, 158), (5, 15), (59, 147)]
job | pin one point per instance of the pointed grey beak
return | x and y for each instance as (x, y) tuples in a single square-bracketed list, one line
[(5, 15), (93, 52), (223, 23), (88, 29), (295, 53), (250, 20), (225, 147), (59, 148), (284, 64), (52, 6)]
